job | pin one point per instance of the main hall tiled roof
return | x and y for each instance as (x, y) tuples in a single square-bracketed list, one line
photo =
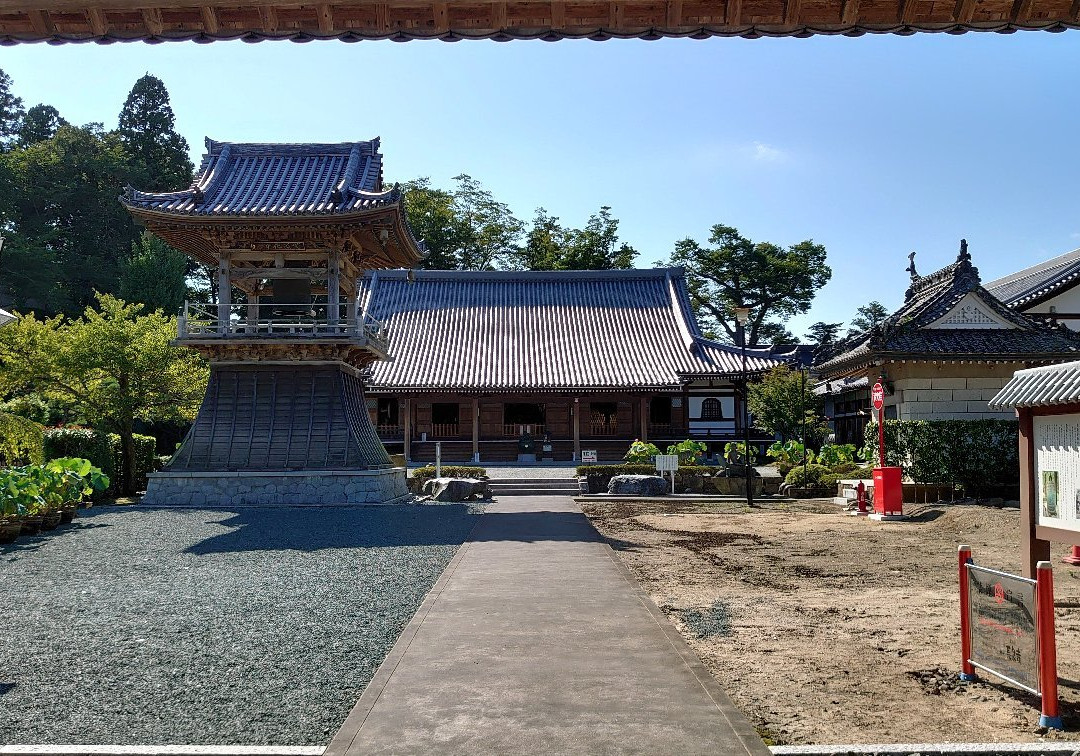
[(528, 331), (1039, 282), (904, 334), (266, 180)]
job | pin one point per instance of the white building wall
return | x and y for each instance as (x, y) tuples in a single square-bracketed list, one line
[(1067, 302), (944, 398)]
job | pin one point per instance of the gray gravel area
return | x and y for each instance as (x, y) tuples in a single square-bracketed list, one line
[(259, 627)]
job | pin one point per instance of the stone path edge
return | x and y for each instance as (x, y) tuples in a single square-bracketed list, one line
[(350, 728), (158, 750), (748, 737)]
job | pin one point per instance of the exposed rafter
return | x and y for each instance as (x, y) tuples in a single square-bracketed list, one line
[(202, 20)]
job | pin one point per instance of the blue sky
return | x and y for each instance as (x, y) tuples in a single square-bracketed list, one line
[(873, 146)]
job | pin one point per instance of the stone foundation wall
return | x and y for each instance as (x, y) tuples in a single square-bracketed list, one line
[(949, 398), (232, 489)]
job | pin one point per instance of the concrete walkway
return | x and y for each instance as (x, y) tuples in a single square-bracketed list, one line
[(536, 640)]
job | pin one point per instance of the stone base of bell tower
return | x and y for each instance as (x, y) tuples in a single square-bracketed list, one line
[(291, 488), (272, 434)]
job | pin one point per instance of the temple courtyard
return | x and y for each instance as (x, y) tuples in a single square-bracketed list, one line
[(255, 626), (827, 628), (516, 627)]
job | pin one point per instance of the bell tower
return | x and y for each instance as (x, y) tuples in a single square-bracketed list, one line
[(287, 231)]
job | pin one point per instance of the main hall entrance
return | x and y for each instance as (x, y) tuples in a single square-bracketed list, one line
[(522, 417)]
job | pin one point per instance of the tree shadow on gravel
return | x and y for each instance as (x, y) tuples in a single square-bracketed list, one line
[(6, 687), (318, 528), (29, 544)]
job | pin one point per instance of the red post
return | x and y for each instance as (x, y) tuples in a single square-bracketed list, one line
[(967, 671), (1044, 608), (881, 436), (861, 498), (1073, 557)]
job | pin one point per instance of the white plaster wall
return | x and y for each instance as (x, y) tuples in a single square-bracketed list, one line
[(727, 406), (1066, 302)]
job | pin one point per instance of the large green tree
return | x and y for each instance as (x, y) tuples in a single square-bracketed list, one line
[(40, 123), (68, 234), (155, 275), (113, 364), (774, 282), (867, 318), (551, 246), (147, 129), (11, 112), (782, 403), (465, 228)]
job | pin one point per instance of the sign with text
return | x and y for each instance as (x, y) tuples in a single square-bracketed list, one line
[(877, 395), (588, 456), (667, 462), (1001, 609), (1057, 470)]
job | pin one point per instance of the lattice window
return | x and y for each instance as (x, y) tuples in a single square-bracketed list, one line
[(712, 410)]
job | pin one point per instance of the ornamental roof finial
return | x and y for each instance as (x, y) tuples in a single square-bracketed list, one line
[(911, 266), (964, 255)]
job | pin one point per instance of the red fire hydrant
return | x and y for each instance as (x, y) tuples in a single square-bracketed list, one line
[(860, 497)]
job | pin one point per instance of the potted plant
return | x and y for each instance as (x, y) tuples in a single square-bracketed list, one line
[(12, 508), (72, 479)]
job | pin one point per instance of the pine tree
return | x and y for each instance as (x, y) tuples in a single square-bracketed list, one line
[(147, 131), (11, 112), (40, 124)]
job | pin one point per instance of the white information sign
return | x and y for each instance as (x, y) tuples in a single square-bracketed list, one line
[(667, 462), (1057, 470), (588, 456)]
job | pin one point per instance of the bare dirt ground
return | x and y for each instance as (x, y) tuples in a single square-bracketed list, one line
[(827, 628)]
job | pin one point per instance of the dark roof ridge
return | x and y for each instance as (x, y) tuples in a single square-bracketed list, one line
[(1068, 257), (214, 147), (528, 275)]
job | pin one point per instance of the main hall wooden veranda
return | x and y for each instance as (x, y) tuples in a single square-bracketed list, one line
[(575, 360)]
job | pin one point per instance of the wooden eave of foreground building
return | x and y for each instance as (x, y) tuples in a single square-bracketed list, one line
[(253, 242), (59, 21)]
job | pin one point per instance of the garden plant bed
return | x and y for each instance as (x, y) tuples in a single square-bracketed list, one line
[(827, 628), (257, 627)]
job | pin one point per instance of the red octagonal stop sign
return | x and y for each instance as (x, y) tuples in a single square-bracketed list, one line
[(877, 395)]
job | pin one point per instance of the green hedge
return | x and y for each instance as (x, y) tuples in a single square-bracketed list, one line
[(631, 469), (978, 455), (422, 474), (808, 476), (104, 452)]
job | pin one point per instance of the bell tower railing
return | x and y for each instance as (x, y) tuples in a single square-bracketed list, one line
[(276, 321)]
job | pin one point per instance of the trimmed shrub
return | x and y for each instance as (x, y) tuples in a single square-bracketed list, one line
[(978, 455), (610, 470), (22, 441), (806, 477)]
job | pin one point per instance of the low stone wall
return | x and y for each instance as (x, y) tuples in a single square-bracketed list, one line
[(293, 488)]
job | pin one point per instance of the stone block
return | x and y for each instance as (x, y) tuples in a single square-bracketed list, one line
[(990, 382), (913, 383), (948, 383), (968, 394), (976, 408), (951, 408)]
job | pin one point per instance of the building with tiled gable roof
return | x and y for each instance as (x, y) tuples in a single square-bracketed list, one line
[(589, 359), (1051, 288), (948, 350)]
